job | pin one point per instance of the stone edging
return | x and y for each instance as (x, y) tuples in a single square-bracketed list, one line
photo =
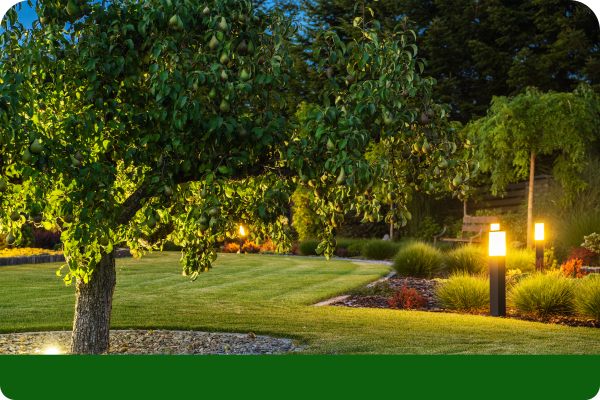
[(119, 253)]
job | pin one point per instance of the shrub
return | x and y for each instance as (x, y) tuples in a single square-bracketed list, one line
[(378, 249), (304, 218), (419, 260), (355, 249), (341, 252), (428, 228), (572, 268), (587, 298), (267, 245), (542, 295), (464, 292), (587, 256), (230, 248), (408, 298), (382, 288), (43, 239), (28, 237), (577, 226), (250, 247), (592, 242), (308, 247), (465, 258), (521, 259)]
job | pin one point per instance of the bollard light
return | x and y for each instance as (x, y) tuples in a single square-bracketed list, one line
[(495, 227), (539, 245), (242, 234), (497, 253)]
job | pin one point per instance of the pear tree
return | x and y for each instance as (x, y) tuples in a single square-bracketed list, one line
[(134, 122)]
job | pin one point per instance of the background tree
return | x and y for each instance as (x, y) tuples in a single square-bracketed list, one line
[(137, 121), (475, 49), (517, 130)]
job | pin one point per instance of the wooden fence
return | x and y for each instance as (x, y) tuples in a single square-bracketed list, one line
[(119, 253), (516, 195)]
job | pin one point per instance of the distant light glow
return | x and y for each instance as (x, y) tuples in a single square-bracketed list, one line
[(495, 227), (539, 231), (497, 243), (52, 351), (242, 231)]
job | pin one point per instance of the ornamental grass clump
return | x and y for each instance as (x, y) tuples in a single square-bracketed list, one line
[(464, 292), (587, 298), (418, 260), (308, 247), (543, 295), (521, 259), (470, 259), (378, 249)]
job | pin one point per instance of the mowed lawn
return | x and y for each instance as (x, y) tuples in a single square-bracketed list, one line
[(272, 295)]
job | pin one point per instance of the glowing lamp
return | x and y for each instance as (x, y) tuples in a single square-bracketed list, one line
[(242, 231), (52, 351), (497, 243), (495, 227), (539, 231)]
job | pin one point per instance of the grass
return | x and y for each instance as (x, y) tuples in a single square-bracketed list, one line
[(377, 249), (543, 295), (419, 260), (466, 258), (270, 295), (521, 259), (464, 292)]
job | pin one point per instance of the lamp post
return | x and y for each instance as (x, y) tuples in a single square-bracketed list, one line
[(539, 245), (497, 252)]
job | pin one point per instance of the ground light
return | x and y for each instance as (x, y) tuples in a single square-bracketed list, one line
[(52, 351), (539, 245), (497, 253)]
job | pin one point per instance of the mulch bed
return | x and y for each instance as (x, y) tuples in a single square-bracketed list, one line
[(427, 286)]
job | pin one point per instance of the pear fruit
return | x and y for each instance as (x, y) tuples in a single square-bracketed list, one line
[(176, 22), (213, 212), (242, 133), (206, 11), (224, 58), (242, 47), (36, 147), (245, 75), (78, 156), (457, 181), (67, 218), (26, 156), (423, 120), (214, 43), (15, 216), (250, 48), (72, 8), (330, 145), (44, 20), (224, 76), (224, 107), (387, 119), (10, 238), (406, 153), (430, 113), (212, 94), (168, 191), (203, 193), (3, 185), (329, 72), (350, 78), (151, 222), (76, 163), (37, 219), (406, 93), (222, 25), (261, 60), (341, 179), (426, 148), (443, 164)]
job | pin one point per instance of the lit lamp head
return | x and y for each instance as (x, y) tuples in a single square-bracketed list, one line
[(497, 243), (495, 227), (242, 232), (539, 231)]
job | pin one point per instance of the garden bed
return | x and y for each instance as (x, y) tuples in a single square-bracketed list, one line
[(427, 287)]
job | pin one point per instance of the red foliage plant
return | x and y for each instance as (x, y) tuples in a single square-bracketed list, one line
[(230, 248), (408, 298), (341, 252), (295, 248), (43, 239), (572, 268), (587, 256), (250, 247)]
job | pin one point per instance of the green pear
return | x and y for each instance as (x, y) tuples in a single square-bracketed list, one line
[(423, 120), (44, 20), (244, 75), (206, 11), (26, 156), (224, 76), (350, 78), (176, 22), (406, 93), (72, 8), (213, 212), (15, 216), (36, 147), (224, 106), (406, 153), (203, 194), (250, 48), (67, 218), (76, 163), (10, 238), (168, 191), (214, 43), (443, 164), (329, 72), (387, 119), (78, 156), (212, 94), (242, 47), (224, 58), (223, 24), (242, 133), (430, 113), (341, 179), (3, 185), (457, 181), (151, 222), (330, 145), (426, 148)]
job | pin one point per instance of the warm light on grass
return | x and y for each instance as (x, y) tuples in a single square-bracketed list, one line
[(497, 243), (539, 231), (495, 227), (52, 351)]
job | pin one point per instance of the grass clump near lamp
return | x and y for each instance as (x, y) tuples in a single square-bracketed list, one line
[(544, 295), (378, 249), (587, 297), (418, 260), (308, 247), (470, 259), (464, 292), (522, 259)]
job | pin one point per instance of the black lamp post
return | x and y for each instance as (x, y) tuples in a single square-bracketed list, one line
[(242, 234), (539, 246), (497, 252)]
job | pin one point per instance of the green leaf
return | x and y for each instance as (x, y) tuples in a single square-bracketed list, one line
[(223, 169)]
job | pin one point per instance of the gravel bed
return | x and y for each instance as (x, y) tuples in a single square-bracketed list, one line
[(152, 342)]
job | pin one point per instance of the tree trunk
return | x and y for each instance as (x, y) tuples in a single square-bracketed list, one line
[(93, 308), (391, 223), (530, 242)]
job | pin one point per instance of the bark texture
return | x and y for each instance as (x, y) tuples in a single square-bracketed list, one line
[(530, 242), (93, 309)]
